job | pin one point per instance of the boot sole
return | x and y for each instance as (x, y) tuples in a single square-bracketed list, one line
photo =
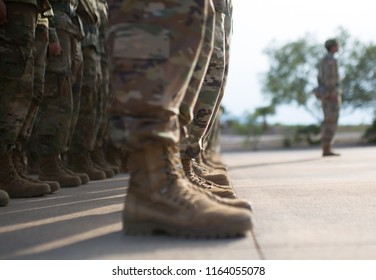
[(154, 228)]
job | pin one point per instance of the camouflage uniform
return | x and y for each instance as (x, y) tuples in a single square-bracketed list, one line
[(17, 37), (87, 125), (98, 154), (328, 78), (55, 117), (154, 47), (214, 125), (56, 111), (209, 94), (27, 138), (16, 69), (209, 98)]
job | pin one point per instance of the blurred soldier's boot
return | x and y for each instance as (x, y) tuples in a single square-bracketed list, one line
[(102, 157), (211, 159), (100, 163), (50, 168), (21, 168), (113, 156), (215, 175), (327, 151), (4, 198), (14, 184), (221, 191), (81, 162), (161, 200), (83, 176)]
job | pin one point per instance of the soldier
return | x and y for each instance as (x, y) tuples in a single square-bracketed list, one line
[(329, 82), (206, 109), (211, 149), (17, 34), (56, 111), (45, 37), (152, 60), (98, 154), (85, 134)]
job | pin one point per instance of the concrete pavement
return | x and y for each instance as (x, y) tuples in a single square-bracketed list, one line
[(305, 207)]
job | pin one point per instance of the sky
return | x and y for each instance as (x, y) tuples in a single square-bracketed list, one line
[(258, 22)]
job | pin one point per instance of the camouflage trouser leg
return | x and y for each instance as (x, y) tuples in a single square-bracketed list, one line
[(16, 70), (29, 133), (55, 113), (103, 105), (85, 133), (77, 74), (152, 60), (331, 115), (195, 84), (214, 125), (209, 94), (212, 139)]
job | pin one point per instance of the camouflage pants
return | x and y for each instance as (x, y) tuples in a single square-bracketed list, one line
[(152, 61), (195, 84), (16, 70), (209, 94), (40, 56), (215, 123), (331, 114), (76, 80), (85, 133), (55, 113), (103, 103)]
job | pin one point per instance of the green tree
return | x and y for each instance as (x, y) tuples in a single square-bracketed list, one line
[(264, 112)]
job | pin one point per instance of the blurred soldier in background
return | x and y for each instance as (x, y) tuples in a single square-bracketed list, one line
[(329, 83), (17, 35), (152, 60)]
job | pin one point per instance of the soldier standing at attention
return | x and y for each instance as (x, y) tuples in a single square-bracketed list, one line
[(45, 39), (209, 97), (85, 133), (17, 34), (55, 115), (154, 46), (329, 81)]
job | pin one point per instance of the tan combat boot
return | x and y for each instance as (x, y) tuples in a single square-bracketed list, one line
[(83, 176), (211, 159), (16, 186), (217, 176), (219, 190), (81, 163), (64, 164), (100, 162), (50, 168), (21, 168), (4, 198), (161, 200)]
